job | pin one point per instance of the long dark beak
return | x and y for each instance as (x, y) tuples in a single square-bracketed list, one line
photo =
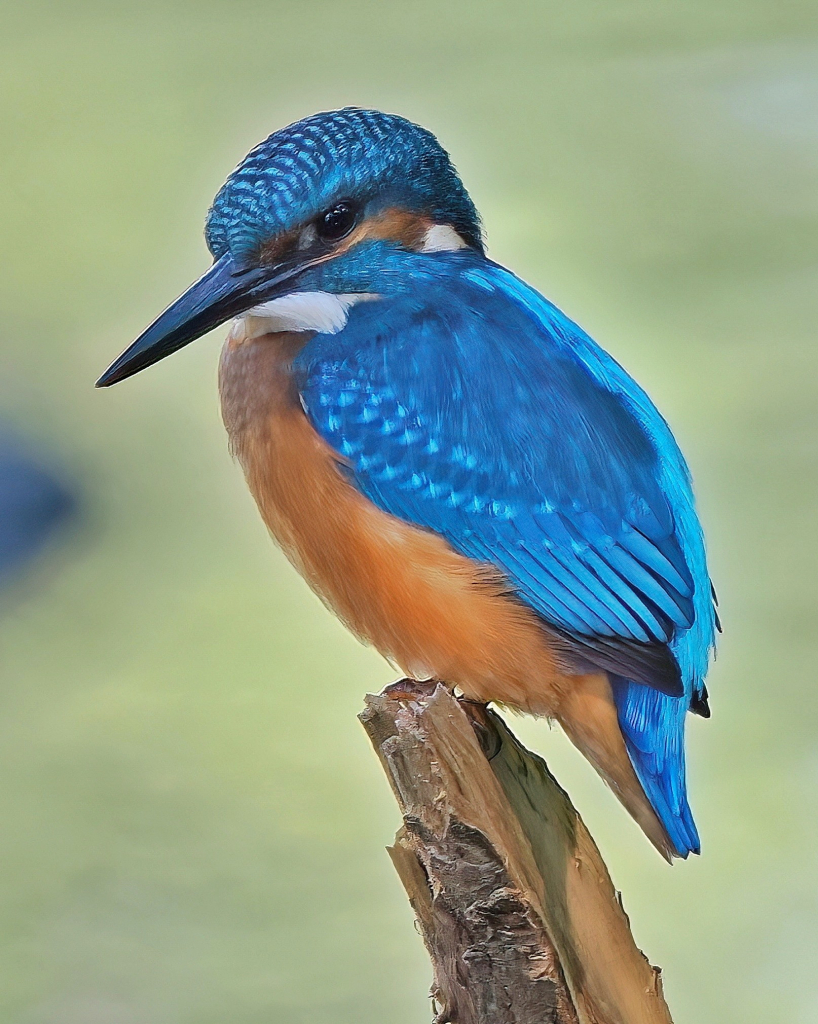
[(225, 291)]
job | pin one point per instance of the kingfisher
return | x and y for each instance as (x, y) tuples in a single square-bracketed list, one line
[(472, 484)]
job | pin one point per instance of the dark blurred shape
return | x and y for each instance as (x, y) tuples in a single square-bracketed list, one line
[(34, 504)]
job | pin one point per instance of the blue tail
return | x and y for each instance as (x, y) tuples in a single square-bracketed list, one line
[(653, 726)]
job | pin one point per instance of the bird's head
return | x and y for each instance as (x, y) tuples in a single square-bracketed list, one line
[(318, 206)]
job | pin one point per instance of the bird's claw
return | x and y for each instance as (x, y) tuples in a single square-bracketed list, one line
[(410, 689)]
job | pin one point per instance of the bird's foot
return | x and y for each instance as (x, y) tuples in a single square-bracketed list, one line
[(484, 726), (410, 689), (476, 711)]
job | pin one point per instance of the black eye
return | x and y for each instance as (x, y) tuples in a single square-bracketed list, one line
[(337, 222)]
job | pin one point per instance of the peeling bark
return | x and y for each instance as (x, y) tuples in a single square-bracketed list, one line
[(514, 902)]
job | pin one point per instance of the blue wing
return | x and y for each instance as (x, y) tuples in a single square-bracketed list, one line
[(471, 406), (459, 410)]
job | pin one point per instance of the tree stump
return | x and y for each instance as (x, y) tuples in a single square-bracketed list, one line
[(514, 902)]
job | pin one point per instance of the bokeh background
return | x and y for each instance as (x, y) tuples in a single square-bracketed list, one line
[(191, 821)]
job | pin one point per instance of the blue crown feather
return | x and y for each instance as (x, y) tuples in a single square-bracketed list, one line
[(299, 171)]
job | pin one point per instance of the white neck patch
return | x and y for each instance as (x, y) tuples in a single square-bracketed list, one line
[(442, 238), (323, 312)]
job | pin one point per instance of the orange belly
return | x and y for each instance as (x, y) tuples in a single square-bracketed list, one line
[(429, 610)]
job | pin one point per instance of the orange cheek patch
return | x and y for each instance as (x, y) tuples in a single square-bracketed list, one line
[(394, 224)]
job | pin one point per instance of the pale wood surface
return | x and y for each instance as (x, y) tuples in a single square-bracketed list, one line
[(515, 905)]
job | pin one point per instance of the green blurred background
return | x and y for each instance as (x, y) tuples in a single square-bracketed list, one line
[(191, 821)]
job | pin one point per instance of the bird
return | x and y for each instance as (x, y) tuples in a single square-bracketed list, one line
[(473, 485)]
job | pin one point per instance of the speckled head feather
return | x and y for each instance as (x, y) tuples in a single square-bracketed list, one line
[(378, 159)]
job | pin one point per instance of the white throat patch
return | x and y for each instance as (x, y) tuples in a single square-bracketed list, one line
[(323, 312)]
